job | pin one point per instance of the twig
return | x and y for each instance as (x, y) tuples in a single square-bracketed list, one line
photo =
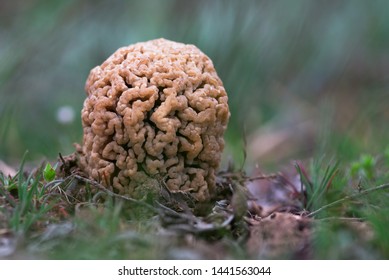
[(346, 219), (260, 177), (62, 159), (240, 176), (380, 187), (8, 196), (103, 189), (244, 137)]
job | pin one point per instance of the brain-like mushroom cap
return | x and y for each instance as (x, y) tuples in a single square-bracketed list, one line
[(156, 107)]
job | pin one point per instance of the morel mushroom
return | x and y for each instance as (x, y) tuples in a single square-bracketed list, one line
[(155, 108)]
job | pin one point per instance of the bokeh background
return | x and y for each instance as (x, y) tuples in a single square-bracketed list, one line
[(304, 78)]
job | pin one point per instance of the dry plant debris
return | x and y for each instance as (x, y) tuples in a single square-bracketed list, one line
[(280, 234), (259, 214)]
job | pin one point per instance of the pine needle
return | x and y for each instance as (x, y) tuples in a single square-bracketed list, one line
[(349, 197)]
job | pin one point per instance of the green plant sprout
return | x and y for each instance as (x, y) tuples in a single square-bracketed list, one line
[(364, 167), (49, 172)]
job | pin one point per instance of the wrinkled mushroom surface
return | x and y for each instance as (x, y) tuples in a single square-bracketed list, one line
[(156, 107)]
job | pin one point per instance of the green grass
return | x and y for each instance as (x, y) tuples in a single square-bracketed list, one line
[(361, 195), (27, 198), (67, 218)]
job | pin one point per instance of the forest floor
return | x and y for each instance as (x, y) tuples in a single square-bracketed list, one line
[(312, 210)]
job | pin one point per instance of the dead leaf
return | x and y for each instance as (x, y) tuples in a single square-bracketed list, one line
[(6, 169), (279, 235)]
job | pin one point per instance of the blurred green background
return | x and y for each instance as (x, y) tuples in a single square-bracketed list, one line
[(303, 77)]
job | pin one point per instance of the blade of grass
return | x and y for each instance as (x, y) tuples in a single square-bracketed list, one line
[(349, 197), (319, 184), (328, 176), (304, 182)]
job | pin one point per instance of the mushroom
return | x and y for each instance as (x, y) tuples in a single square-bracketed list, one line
[(154, 108)]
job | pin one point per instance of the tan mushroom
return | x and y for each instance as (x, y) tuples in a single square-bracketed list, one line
[(155, 108)]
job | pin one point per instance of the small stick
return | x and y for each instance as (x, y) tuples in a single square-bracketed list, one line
[(62, 159), (103, 189), (348, 197), (8, 196), (260, 177), (346, 219)]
